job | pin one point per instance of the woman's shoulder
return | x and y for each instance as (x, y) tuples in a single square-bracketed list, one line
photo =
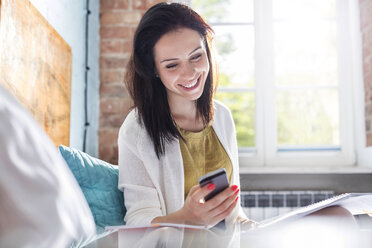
[(222, 116), (131, 127), (221, 110), (131, 119)]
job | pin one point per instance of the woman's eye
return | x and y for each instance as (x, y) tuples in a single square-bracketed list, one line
[(196, 57), (171, 66)]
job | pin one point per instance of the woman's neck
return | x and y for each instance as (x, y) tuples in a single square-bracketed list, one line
[(185, 114)]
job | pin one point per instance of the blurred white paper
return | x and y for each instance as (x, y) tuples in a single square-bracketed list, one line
[(125, 227), (355, 203)]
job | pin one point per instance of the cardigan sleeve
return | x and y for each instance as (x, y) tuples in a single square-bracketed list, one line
[(140, 195), (241, 214), (224, 116)]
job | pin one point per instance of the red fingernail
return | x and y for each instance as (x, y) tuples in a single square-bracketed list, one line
[(234, 187), (211, 186), (236, 199), (236, 192)]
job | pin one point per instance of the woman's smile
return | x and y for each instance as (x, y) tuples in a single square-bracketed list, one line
[(191, 85)]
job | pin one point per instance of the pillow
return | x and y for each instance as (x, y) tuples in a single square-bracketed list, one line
[(99, 183), (41, 203)]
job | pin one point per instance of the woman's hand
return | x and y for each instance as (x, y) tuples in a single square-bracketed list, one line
[(197, 212)]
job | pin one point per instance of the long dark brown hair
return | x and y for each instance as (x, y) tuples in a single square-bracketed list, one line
[(147, 91)]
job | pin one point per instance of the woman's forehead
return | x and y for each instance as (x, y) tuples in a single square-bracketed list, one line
[(178, 43)]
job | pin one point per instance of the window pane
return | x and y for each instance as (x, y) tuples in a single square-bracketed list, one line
[(227, 11), (308, 117), (242, 107), (305, 54), (235, 47), (304, 9), (305, 43)]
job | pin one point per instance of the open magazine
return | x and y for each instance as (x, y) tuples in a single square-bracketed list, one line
[(355, 203)]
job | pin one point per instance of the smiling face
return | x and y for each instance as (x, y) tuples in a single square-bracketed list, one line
[(182, 64)]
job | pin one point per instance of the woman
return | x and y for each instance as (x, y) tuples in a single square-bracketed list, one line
[(176, 131)]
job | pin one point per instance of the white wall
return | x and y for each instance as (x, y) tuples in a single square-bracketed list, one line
[(68, 17)]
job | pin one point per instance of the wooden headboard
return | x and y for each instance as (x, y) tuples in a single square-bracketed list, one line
[(35, 66)]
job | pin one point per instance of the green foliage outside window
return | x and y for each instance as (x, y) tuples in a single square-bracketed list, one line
[(241, 104)]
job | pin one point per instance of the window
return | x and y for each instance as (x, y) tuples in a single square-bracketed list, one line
[(286, 75)]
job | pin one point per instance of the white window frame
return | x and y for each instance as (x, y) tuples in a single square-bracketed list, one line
[(266, 111), (266, 153)]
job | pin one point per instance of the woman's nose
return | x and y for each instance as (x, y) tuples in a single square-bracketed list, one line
[(188, 71)]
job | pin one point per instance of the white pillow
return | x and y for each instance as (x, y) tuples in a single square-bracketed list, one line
[(41, 204)]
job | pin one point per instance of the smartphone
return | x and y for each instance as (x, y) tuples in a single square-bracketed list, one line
[(219, 178)]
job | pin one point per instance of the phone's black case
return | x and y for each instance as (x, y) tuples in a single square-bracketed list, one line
[(219, 178)]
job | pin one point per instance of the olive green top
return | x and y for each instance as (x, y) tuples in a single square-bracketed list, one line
[(201, 154)]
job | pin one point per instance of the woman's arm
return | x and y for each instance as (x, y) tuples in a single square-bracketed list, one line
[(140, 195)]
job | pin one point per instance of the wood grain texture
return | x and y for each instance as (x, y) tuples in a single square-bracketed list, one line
[(35, 66)]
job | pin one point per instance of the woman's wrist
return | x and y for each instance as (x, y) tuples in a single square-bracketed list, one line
[(177, 217)]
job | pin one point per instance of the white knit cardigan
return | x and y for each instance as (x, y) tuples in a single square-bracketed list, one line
[(155, 187)]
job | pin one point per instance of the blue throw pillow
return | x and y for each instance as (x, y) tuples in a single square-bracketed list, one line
[(99, 182)]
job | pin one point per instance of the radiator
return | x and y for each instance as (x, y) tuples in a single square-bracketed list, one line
[(260, 205)]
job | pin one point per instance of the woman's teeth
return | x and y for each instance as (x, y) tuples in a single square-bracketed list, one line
[(191, 85)]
